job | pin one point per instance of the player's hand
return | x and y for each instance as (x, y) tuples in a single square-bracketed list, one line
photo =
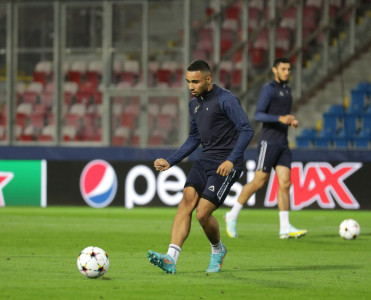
[(295, 124), (161, 164), (286, 119), (225, 168)]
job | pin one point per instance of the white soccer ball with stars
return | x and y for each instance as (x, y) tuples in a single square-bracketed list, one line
[(93, 262), (349, 229)]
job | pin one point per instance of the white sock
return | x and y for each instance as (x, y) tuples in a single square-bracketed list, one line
[(174, 251), (284, 221), (235, 211), (215, 249)]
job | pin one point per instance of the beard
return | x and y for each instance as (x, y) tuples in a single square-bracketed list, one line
[(283, 81)]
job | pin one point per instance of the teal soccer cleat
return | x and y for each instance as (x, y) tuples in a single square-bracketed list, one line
[(216, 261), (164, 262), (231, 226)]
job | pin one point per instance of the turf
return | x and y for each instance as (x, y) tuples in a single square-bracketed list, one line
[(39, 248)]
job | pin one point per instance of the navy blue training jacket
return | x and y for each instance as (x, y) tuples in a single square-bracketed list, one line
[(275, 100), (219, 123)]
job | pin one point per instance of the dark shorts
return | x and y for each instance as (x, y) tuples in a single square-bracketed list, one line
[(272, 155), (210, 185)]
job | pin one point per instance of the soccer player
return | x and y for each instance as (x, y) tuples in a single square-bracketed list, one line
[(221, 126), (274, 110)]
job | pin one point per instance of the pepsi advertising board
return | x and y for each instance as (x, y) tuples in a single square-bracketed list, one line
[(100, 183)]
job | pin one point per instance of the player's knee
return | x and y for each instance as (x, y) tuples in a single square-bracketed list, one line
[(202, 217), (188, 203), (285, 184), (259, 183)]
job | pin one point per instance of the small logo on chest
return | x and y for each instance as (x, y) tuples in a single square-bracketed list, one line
[(196, 109)]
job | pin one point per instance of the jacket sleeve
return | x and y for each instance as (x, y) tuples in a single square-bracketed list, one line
[(265, 97), (233, 109), (190, 145)]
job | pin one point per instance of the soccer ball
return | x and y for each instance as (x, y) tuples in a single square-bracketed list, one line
[(349, 229), (93, 262)]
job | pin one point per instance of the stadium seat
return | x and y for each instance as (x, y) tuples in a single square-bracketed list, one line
[(366, 122), (229, 30), (155, 140), (233, 12), (133, 109), (310, 17), (2, 133), (69, 133), (77, 70), (254, 18), (42, 72), (135, 138), (20, 88), (153, 66), (283, 41), (128, 120), (37, 119), (3, 115), (94, 72), (164, 76), (47, 134), (72, 120), (361, 142), (205, 33), (236, 79), (364, 86), (258, 57), (351, 125), (70, 87), (28, 134), (330, 125), (39, 77), (303, 142), (260, 47), (169, 109), (358, 102), (78, 109), (25, 108), (341, 142), (130, 72), (257, 4), (322, 142), (153, 109), (49, 118), (365, 131), (315, 3), (47, 98), (32, 93), (164, 122), (225, 73), (121, 136), (336, 109), (179, 77), (289, 18)]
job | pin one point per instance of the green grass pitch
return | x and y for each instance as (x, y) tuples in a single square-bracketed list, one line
[(39, 249)]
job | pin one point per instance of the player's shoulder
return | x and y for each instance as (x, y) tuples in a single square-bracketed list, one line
[(270, 85), (224, 94), (220, 90), (268, 89)]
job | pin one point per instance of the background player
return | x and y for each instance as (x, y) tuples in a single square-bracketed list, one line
[(273, 109), (218, 122)]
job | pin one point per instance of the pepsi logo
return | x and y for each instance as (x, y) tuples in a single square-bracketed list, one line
[(98, 183)]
